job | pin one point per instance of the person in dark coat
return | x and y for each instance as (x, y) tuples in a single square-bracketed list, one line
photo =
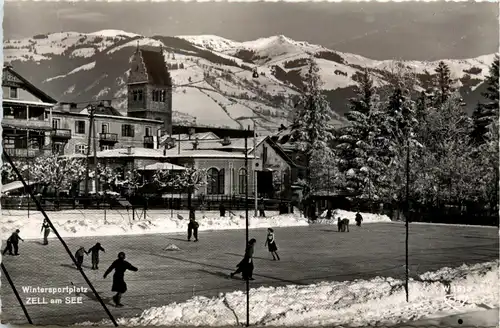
[(13, 242), (119, 285), (222, 210), (358, 219), (262, 208), (46, 231), (79, 254), (8, 247), (192, 226), (245, 267), (94, 250), (329, 214), (271, 244)]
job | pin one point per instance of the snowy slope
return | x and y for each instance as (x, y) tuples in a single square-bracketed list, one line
[(212, 75)]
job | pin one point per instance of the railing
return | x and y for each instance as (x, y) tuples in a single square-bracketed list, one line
[(110, 137), (61, 133), (26, 153), (148, 140), (33, 122)]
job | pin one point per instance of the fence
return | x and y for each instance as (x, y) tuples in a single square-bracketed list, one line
[(173, 201)]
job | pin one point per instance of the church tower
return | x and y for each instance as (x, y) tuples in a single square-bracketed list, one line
[(149, 87)]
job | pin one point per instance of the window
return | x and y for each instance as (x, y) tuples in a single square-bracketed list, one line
[(156, 95), (137, 95), (104, 128), (56, 123), (80, 149), (80, 127), (149, 131), (127, 130), (241, 180), (221, 181), (13, 93), (215, 179), (58, 148), (162, 95)]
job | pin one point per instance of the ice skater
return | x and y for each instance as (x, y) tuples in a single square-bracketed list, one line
[(79, 254), (358, 219), (245, 267), (94, 250), (46, 231), (192, 226), (13, 242), (271, 244), (119, 286)]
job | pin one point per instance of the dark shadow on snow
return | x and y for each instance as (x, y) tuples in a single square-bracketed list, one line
[(255, 257)]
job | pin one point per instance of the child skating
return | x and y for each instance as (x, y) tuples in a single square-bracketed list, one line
[(271, 244)]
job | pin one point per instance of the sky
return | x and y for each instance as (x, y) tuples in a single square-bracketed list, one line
[(406, 31)]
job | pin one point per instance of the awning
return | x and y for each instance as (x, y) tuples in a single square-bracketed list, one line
[(14, 185), (162, 167)]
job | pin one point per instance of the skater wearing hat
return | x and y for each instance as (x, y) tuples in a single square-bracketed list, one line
[(245, 267), (13, 242), (79, 254), (94, 250), (119, 285)]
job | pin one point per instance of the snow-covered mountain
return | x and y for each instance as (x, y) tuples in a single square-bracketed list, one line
[(213, 79)]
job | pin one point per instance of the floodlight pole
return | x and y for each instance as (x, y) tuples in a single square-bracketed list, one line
[(246, 226), (407, 211)]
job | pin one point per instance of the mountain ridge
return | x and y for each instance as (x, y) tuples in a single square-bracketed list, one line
[(213, 79)]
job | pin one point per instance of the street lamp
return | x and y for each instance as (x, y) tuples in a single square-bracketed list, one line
[(91, 109)]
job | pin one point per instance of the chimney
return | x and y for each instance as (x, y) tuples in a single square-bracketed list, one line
[(106, 103), (129, 150), (65, 107), (195, 144), (226, 141)]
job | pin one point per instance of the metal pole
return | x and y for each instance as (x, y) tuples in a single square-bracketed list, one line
[(28, 151), (87, 155), (96, 177), (246, 225), (255, 192), (39, 208), (16, 293), (407, 211)]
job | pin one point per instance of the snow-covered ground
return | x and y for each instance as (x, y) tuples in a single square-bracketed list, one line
[(121, 222), (367, 217), (351, 303)]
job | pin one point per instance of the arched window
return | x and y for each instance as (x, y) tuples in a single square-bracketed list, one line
[(213, 181), (221, 181), (241, 180)]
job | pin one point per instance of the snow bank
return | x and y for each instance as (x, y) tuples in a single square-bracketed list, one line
[(355, 303), (120, 222), (367, 217)]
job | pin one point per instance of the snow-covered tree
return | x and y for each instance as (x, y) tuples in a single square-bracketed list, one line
[(443, 83), (8, 173), (358, 143), (312, 131), (108, 177), (131, 180), (486, 113), (187, 181), (56, 172)]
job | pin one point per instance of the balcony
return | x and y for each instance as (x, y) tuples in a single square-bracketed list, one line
[(22, 123), (26, 153), (63, 134), (109, 138)]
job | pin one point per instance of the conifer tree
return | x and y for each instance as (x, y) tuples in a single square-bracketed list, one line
[(443, 83), (312, 131), (486, 113)]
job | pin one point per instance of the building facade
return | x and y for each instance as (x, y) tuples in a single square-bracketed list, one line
[(112, 130), (26, 124)]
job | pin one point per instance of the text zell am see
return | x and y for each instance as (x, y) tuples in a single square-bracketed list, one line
[(53, 295)]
